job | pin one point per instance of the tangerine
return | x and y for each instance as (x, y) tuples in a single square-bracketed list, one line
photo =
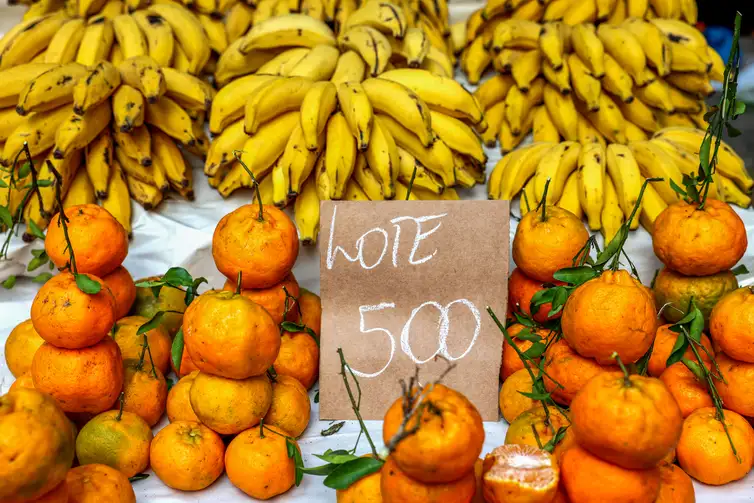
[(310, 306), (131, 345), (511, 362), (521, 289), (230, 406), (20, 346), (290, 408), (179, 403), (397, 486), (120, 441), (171, 301), (145, 391), (512, 402), (66, 317), (675, 292), (273, 298), (298, 358), (122, 286), (698, 242), (689, 393), (732, 324), (567, 371), (365, 490), (665, 339), (263, 251), (58, 495), (187, 365), (675, 486), (736, 387), (96, 483), (22, 381), (546, 423)]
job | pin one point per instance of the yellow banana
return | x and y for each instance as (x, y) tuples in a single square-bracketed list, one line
[(136, 144), (656, 163), (167, 115), (97, 41), (232, 63), (99, 159), (283, 63), (562, 112), (588, 46), (439, 93), (651, 206), (147, 195), (350, 68), (640, 114), (592, 184), (437, 158), (637, 8), (634, 132), (319, 103), (688, 163), (117, 199), (65, 43), (129, 36), (625, 174), (383, 16), (382, 157), (189, 33), (458, 136), (409, 168), (556, 9), (619, 13), (340, 155), (581, 13), (588, 133), (318, 64), (128, 108), (80, 191), (560, 78), (144, 74), (189, 91), (306, 211), (34, 38), (624, 48), (9, 121), (37, 130), (50, 89), (526, 68), (516, 33), (274, 98), (733, 194), (158, 35), (518, 105), (366, 179), (717, 71), (298, 30), (617, 81), (373, 47), (496, 177), (608, 120), (86, 8), (551, 44), (697, 84), (544, 129), (215, 31), (682, 102), (495, 116), (415, 46), (654, 43), (556, 165), (97, 86), (228, 103), (297, 162), (521, 167), (399, 102), (569, 200), (357, 109), (221, 149), (586, 87), (15, 80), (612, 216), (113, 8), (78, 131), (493, 90), (167, 158), (509, 141), (239, 20), (474, 61)]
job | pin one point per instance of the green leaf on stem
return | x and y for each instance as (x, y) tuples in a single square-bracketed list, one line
[(575, 275), (178, 276), (176, 350), (37, 262), (138, 476), (35, 230), (24, 170), (42, 278), (289, 326), (322, 471), (337, 457), (348, 473), (9, 282), (739, 270), (153, 323), (5, 217), (679, 349), (536, 396), (332, 430), (87, 285)]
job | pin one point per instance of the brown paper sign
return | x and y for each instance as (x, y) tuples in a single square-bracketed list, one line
[(402, 282)]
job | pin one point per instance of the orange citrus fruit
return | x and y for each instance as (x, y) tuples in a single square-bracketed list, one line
[(58, 495), (65, 316), (511, 361), (187, 456), (365, 490), (675, 292), (737, 385), (512, 402), (540, 248), (448, 441), (122, 286), (145, 391), (310, 306), (120, 441), (20, 346), (262, 251), (521, 289), (689, 392), (520, 473), (675, 486), (298, 358), (397, 486), (567, 371), (23, 381), (99, 242), (179, 403), (132, 345), (665, 339), (97, 483), (611, 313), (80, 380), (36, 445), (146, 304), (290, 408), (732, 324), (230, 336), (697, 242), (271, 298), (647, 420), (545, 422), (589, 479), (187, 365), (705, 453), (257, 462), (230, 406)]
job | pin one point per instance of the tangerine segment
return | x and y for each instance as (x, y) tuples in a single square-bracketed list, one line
[(520, 474), (447, 442)]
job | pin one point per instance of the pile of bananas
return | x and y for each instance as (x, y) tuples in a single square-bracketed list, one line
[(315, 115), (606, 185), (113, 133), (611, 83)]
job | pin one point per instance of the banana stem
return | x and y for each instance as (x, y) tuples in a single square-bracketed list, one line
[(237, 155)]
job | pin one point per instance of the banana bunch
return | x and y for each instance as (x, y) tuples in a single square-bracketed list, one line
[(611, 83), (114, 133), (603, 182), (380, 33), (344, 135)]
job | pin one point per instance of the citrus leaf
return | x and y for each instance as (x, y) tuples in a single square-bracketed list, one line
[(536, 396), (316, 397), (36, 263), (153, 323), (6, 217), (3, 185), (9, 282), (336, 457), (87, 285), (536, 350), (332, 430), (24, 170), (138, 476), (694, 368), (528, 335), (289, 326), (347, 474), (178, 276), (575, 275), (42, 278), (739, 270), (323, 470), (176, 351), (679, 348), (35, 230)]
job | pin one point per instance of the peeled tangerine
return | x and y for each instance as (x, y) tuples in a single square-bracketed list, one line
[(520, 473), (611, 313)]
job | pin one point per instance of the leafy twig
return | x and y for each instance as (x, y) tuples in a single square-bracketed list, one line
[(237, 155)]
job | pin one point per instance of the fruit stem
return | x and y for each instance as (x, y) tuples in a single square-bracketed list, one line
[(239, 279), (237, 155), (355, 404), (261, 428), (290, 302), (626, 376), (543, 202), (63, 219), (411, 181), (122, 400)]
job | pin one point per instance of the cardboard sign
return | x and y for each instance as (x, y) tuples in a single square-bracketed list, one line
[(402, 282)]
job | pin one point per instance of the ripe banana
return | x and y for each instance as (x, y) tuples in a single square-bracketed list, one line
[(586, 86), (409, 168), (37, 130), (563, 113), (384, 16), (319, 103), (656, 95), (373, 47), (682, 102), (136, 144), (296, 164), (624, 47), (457, 135), (167, 115), (592, 183), (544, 129), (654, 43), (608, 120), (34, 38), (526, 68), (654, 162), (509, 141), (495, 116), (437, 158), (97, 41), (617, 81), (158, 34), (78, 131), (516, 33), (493, 90), (519, 105), (350, 68), (581, 13), (65, 43), (50, 89), (367, 180), (612, 216), (215, 31), (588, 133), (144, 74), (401, 103), (129, 36), (283, 63), (340, 155), (625, 174), (637, 8), (128, 108), (80, 191), (732, 193), (640, 114), (289, 30), (551, 44), (569, 200), (521, 167), (239, 20), (556, 165), (189, 33), (382, 157), (634, 132), (147, 195), (15, 79), (415, 47), (560, 78), (318, 64), (221, 149), (496, 177), (97, 86), (306, 210), (99, 159), (358, 111), (168, 159), (228, 103), (697, 84), (273, 98), (439, 93), (588, 46)]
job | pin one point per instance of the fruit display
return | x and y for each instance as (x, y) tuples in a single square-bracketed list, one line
[(360, 114)]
